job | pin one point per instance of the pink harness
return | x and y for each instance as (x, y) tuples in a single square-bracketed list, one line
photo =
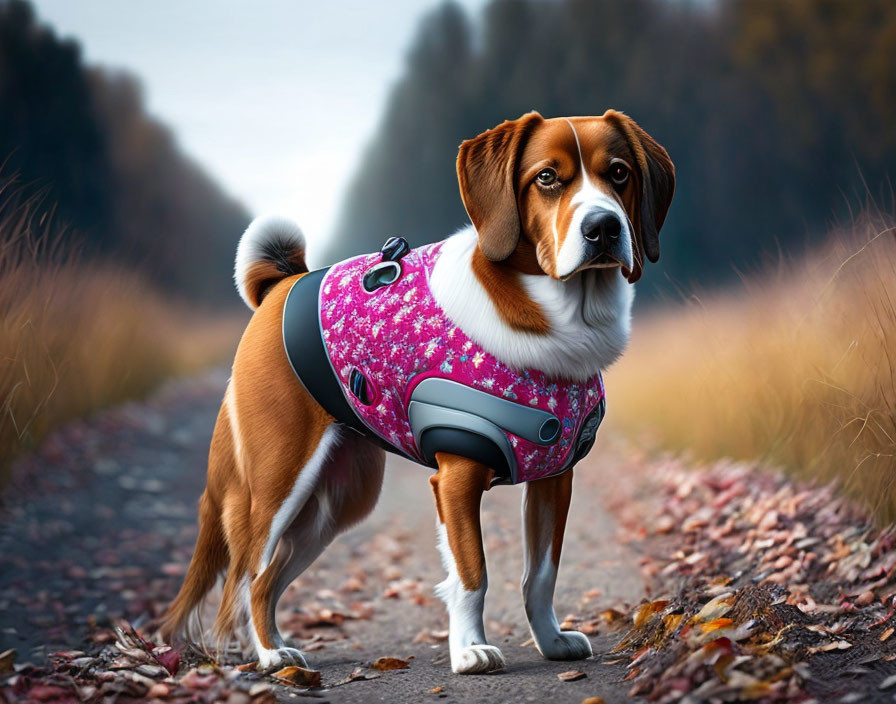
[(398, 336)]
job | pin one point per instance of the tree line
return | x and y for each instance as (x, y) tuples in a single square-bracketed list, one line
[(112, 177), (780, 116)]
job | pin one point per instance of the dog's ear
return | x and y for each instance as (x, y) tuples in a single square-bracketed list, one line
[(656, 173), (486, 173)]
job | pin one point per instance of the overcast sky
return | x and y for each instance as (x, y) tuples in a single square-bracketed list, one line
[(276, 98)]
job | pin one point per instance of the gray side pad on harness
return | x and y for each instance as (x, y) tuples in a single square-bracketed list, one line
[(424, 417), (533, 424)]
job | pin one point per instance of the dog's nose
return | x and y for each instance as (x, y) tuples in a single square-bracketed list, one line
[(602, 226)]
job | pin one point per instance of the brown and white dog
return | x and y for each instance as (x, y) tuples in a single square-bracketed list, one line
[(563, 213)]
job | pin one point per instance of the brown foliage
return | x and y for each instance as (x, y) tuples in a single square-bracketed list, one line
[(797, 368), (77, 336)]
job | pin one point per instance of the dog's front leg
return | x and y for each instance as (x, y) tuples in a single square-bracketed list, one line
[(545, 506), (458, 488)]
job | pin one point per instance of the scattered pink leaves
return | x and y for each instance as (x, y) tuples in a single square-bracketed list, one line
[(126, 667), (770, 589)]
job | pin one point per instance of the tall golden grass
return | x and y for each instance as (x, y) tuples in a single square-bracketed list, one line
[(796, 367), (77, 336)]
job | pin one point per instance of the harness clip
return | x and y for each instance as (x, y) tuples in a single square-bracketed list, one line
[(394, 249)]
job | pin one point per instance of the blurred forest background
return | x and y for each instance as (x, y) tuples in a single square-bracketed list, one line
[(779, 116), (116, 250), (80, 137), (774, 297)]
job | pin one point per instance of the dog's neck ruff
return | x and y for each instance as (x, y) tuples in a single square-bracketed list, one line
[(415, 381), (589, 315)]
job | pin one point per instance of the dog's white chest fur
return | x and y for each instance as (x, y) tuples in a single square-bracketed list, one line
[(589, 315)]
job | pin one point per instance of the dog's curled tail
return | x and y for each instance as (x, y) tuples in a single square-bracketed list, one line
[(209, 560), (270, 249)]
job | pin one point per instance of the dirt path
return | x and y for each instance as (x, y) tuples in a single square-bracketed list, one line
[(99, 524)]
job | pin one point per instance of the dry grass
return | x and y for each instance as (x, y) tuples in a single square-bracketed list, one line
[(797, 368), (75, 337)]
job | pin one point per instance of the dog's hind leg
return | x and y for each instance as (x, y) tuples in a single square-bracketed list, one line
[(344, 490), (545, 507), (212, 552)]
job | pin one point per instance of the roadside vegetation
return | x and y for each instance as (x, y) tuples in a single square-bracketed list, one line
[(76, 335), (796, 367), (135, 287)]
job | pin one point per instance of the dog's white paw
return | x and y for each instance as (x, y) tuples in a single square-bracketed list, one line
[(477, 658), (566, 645), (280, 657)]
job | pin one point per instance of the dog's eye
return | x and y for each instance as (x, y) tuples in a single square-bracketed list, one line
[(619, 173), (546, 177)]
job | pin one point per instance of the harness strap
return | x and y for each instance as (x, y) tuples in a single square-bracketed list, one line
[(306, 352), (307, 355)]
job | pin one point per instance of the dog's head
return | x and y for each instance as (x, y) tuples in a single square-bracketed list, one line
[(570, 193)]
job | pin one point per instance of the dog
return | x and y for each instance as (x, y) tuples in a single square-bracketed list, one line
[(564, 212)]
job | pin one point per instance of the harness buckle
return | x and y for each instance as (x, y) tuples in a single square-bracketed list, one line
[(388, 270)]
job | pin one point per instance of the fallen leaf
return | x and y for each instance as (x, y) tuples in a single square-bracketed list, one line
[(612, 617), (7, 659), (239, 697), (886, 634), (195, 680), (298, 676), (756, 690), (389, 664), (593, 700), (715, 608), (353, 584), (69, 654), (865, 598), (324, 617), (645, 611), (671, 622), (715, 650), (154, 671), (169, 659), (571, 676), (428, 636), (887, 683), (570, 623), (436, 690), (358, 675), (716, 624), (721, 666), (639, 656), (43, 693), (834, 645)]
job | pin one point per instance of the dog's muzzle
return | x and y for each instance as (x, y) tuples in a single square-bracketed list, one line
[(606, 240)]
